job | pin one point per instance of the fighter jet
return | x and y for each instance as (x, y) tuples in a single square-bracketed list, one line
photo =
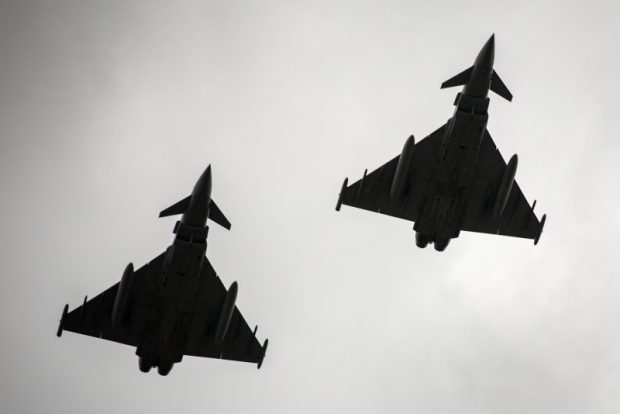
[(454, 179), (176, 304)]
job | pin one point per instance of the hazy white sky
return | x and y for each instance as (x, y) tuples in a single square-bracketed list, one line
[(109, 111)]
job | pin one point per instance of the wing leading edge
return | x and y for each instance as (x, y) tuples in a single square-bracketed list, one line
[(93, 317), (518, 218), (372, 191), (239, 343)]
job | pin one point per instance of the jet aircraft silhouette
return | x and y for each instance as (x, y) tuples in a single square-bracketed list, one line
[(176, 304), (455, 179)]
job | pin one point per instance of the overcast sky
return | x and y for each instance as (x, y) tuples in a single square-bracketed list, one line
[(109, 112)]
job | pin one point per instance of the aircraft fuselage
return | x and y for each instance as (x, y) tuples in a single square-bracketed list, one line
[(174, 304), (444, 205)]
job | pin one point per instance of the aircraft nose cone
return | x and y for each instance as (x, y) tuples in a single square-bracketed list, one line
[(487, 54), (198, 209), (202, 189)]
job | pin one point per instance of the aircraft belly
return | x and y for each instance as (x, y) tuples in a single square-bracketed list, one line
[(186, 258), (198, 324), (463, 143), (164, 334), (170, 318), (444, 203), (454, 175)]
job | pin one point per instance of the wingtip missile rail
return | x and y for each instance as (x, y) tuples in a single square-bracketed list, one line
[(65, 312), (262, 357), (540, 229), (344, 187)]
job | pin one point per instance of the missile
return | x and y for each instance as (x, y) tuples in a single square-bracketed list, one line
[(65, 312), (226, 313), (262, 357), (505, 186), (540, 229), (122, 296), (344, 187), (402, 169)]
